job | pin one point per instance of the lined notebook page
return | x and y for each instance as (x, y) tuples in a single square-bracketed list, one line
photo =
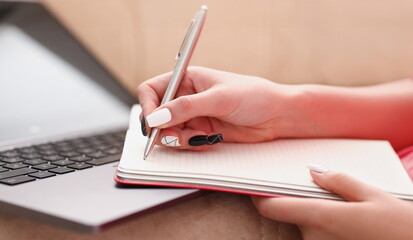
[(280, 161)]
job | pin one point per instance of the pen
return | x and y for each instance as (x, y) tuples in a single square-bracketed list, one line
[(182, 58)]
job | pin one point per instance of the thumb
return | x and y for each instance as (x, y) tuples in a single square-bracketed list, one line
[(185, 108), (348, 187)]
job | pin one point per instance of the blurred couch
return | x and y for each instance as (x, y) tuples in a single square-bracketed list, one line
[(289, 41), (321, 41)]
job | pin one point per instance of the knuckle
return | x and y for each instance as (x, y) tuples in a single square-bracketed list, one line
[(263, 208), (193, 72), (194, 68), (321, 219), (337, 178), (141, 91), (227, 104), (185, 104)]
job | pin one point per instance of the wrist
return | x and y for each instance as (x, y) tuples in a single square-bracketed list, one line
[(300, 113)]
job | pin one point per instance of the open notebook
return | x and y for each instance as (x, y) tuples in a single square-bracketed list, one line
[(267, 169)]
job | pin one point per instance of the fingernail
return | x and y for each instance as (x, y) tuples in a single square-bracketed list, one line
[(214, 139), (143, 126), (205, 140), (198, 140), (159, 118), (317, 168), (170, 141)]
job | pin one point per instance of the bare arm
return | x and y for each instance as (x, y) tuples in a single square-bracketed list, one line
[(383, 111), (250, 109)]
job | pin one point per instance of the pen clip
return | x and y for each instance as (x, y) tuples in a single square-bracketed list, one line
[(191, 25)]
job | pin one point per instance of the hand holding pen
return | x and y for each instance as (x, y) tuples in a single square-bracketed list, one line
[(211, 105), (182, 58)]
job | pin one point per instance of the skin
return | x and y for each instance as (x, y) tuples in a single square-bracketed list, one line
[(198, 108), (251, 109), (369, 213)]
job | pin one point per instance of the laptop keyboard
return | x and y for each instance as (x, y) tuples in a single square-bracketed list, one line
[(36, 162)]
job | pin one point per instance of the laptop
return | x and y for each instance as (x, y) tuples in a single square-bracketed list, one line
[(62, 126)]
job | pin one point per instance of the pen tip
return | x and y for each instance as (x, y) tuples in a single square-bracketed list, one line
[(144, 157)]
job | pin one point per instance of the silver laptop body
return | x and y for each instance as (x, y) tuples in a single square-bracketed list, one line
[(53, 91)]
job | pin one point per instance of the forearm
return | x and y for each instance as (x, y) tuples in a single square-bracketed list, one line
[(383, 111)]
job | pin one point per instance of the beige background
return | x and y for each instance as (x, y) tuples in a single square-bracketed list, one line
[(291, 41)]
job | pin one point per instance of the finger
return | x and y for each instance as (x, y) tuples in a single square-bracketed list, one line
[(143, 125), (187, 139), (184, 108), (151, 92), (295, 210), (348, 187), (196, 79)]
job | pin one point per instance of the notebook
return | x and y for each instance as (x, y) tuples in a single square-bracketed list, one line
[(266, 169)]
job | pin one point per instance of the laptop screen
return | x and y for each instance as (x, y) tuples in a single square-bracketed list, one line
[(49, 85)]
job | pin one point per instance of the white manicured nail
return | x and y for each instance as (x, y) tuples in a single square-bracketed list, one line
[(317, 167), (170, 141), (159, 118)]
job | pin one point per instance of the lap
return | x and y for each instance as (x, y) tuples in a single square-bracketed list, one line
[(213, 216)]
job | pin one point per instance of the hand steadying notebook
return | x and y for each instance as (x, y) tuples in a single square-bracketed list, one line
[(266, 169)]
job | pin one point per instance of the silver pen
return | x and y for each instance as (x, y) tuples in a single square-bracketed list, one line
[(182, 58)]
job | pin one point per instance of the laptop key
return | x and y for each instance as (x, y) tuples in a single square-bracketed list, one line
[(44, 166), (27, 150), (53, 158), (17, 180), (97, 155), (113, 150), (41, 175), (13, 159), (30, 155), (62, 143), (62, 162), (70, 154), (61, 170), (45, 146), (87, 150), (102, 147), (77, 142), (48, 152), (96, 142), (35, 161), (17, 172), (15, 165), (80, 158), (59, 157), (64, 148), (80, 166), (104, 160), (10, 153)]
